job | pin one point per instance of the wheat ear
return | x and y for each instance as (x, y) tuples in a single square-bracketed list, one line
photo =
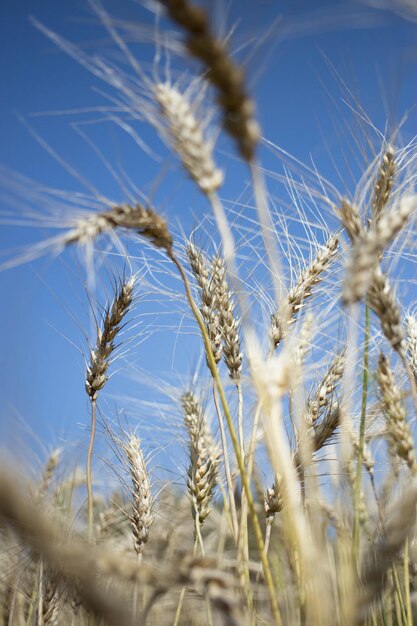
[(204, 458), (188, 140), (273, 500), (51, 599), (351, 220), (221, 72), (96, 373), (208, 308), (384, 182), (143, 220), (411, 334), (398, 429), (141, 518), (383, 302), (229, 323), (311, 276), (323, 395), (48, 472), (369, 246), (217, 382)]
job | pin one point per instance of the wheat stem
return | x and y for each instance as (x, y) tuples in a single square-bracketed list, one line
[(362, 427), (228, 473), (88, 471)]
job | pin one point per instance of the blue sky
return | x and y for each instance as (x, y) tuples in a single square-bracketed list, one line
[(295, 58)]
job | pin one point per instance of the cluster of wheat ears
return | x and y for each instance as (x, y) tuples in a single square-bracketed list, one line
[(300, 494)]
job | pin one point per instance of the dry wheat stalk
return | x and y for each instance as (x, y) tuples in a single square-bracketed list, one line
[(221, 72), (96, 375), (398, 430), (229, 323), (383, 302), (208, 309), (188, 138), (384, 182), (204, 458), (143, 220), (309, 277), (141, 518)]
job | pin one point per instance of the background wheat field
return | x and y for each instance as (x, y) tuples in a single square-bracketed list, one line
[(209, 322)]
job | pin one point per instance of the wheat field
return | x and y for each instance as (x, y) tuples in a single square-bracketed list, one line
[(288, 494)]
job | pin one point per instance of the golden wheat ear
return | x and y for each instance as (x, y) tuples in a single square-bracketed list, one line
[(141, 518), (143, 220), (221, 71), (398, 429), (204, 458)]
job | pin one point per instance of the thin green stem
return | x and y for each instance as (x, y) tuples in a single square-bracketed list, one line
[(358, 479), (88, 471), (407, 584)]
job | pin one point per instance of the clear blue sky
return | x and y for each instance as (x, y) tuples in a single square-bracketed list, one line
[(299, 104)]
